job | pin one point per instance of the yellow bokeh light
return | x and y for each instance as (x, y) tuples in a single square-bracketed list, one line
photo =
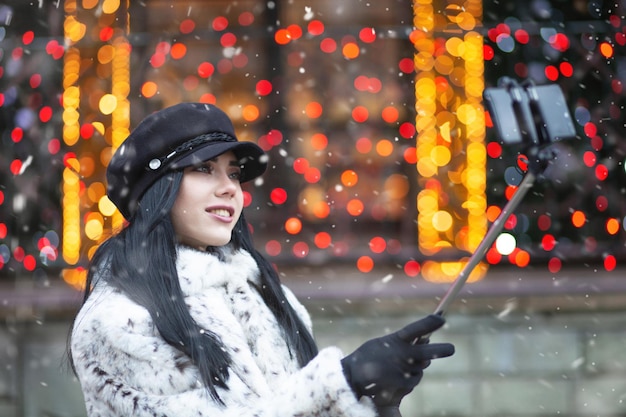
[(94, 229), (455, 46), (466, 21), (74, 30), (76, 277), (444, 64), (95, 191), (440, 155), (90, 4), (106, 206), (442, 221), (105, 54), (424, 61), (427, 201), (69, 6), (71, 97), (425, 87), (426, 167), (110, 6), (107, 104), (466, 113), (99, 127)]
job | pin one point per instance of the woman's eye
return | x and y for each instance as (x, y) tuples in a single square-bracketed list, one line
[(236, 175), (203, 168)]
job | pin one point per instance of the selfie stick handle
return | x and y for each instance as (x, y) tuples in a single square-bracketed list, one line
[(486, 243), (389, 412)]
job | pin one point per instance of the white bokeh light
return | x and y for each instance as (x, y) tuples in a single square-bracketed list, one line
[(505, 244)]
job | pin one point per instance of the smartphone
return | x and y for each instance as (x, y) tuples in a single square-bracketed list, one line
[(529, 114)]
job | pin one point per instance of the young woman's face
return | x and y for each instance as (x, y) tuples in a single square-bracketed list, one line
[(209, 202)]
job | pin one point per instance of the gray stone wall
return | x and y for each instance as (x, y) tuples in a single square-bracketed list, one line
[(568, 364)]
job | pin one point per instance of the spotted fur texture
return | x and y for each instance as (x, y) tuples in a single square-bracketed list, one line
[(126, 369)]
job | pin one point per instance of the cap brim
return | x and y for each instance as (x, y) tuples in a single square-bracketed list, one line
[(252, 158)]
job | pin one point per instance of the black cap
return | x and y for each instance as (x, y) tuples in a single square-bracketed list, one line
[(174, 138)]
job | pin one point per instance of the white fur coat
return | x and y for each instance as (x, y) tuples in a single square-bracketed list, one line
[(126, 369)]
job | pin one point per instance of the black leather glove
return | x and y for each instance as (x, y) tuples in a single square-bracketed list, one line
[(389, 367)]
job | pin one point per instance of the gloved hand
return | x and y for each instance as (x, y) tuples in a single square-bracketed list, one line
[(389, 367)]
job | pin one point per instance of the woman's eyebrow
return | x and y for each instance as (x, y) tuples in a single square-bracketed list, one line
[(233, 162)]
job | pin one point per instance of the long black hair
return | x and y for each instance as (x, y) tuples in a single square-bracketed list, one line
[(141, 262)]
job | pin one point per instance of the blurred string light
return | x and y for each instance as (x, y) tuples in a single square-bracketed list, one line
[(87, 211), (451, 155)]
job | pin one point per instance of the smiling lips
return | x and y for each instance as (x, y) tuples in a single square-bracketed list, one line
[(222, 212)]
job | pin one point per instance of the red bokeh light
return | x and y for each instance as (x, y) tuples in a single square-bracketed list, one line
[(263, 87), (187, 26), (367, 35), (278, 196), (360, 114), (206, 69), (406, 65), (300, 165), (300, 249), (219, 23), (328, 45), (412, 268), (554, 265), (315, 27)]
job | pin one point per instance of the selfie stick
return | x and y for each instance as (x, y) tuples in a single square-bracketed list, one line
[(482, 249), (532, 133), (486, 243)]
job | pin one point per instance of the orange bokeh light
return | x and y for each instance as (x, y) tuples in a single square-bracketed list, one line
[(365, 264), (360, 114), (178, 51), (522, 258), (578, 218), (321, 209), (282, 37), (313, 110), (349, 178), (612, 226), (606, 49), (293, 225), (384, 147), (350, 50), (390, 114), (148, 89), (355, 207), (319, 141), (322, 240), (250, 113)]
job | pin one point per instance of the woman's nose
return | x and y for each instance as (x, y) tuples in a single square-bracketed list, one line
[(226, 185)]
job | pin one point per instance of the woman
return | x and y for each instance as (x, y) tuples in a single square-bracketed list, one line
[(183, 317)]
